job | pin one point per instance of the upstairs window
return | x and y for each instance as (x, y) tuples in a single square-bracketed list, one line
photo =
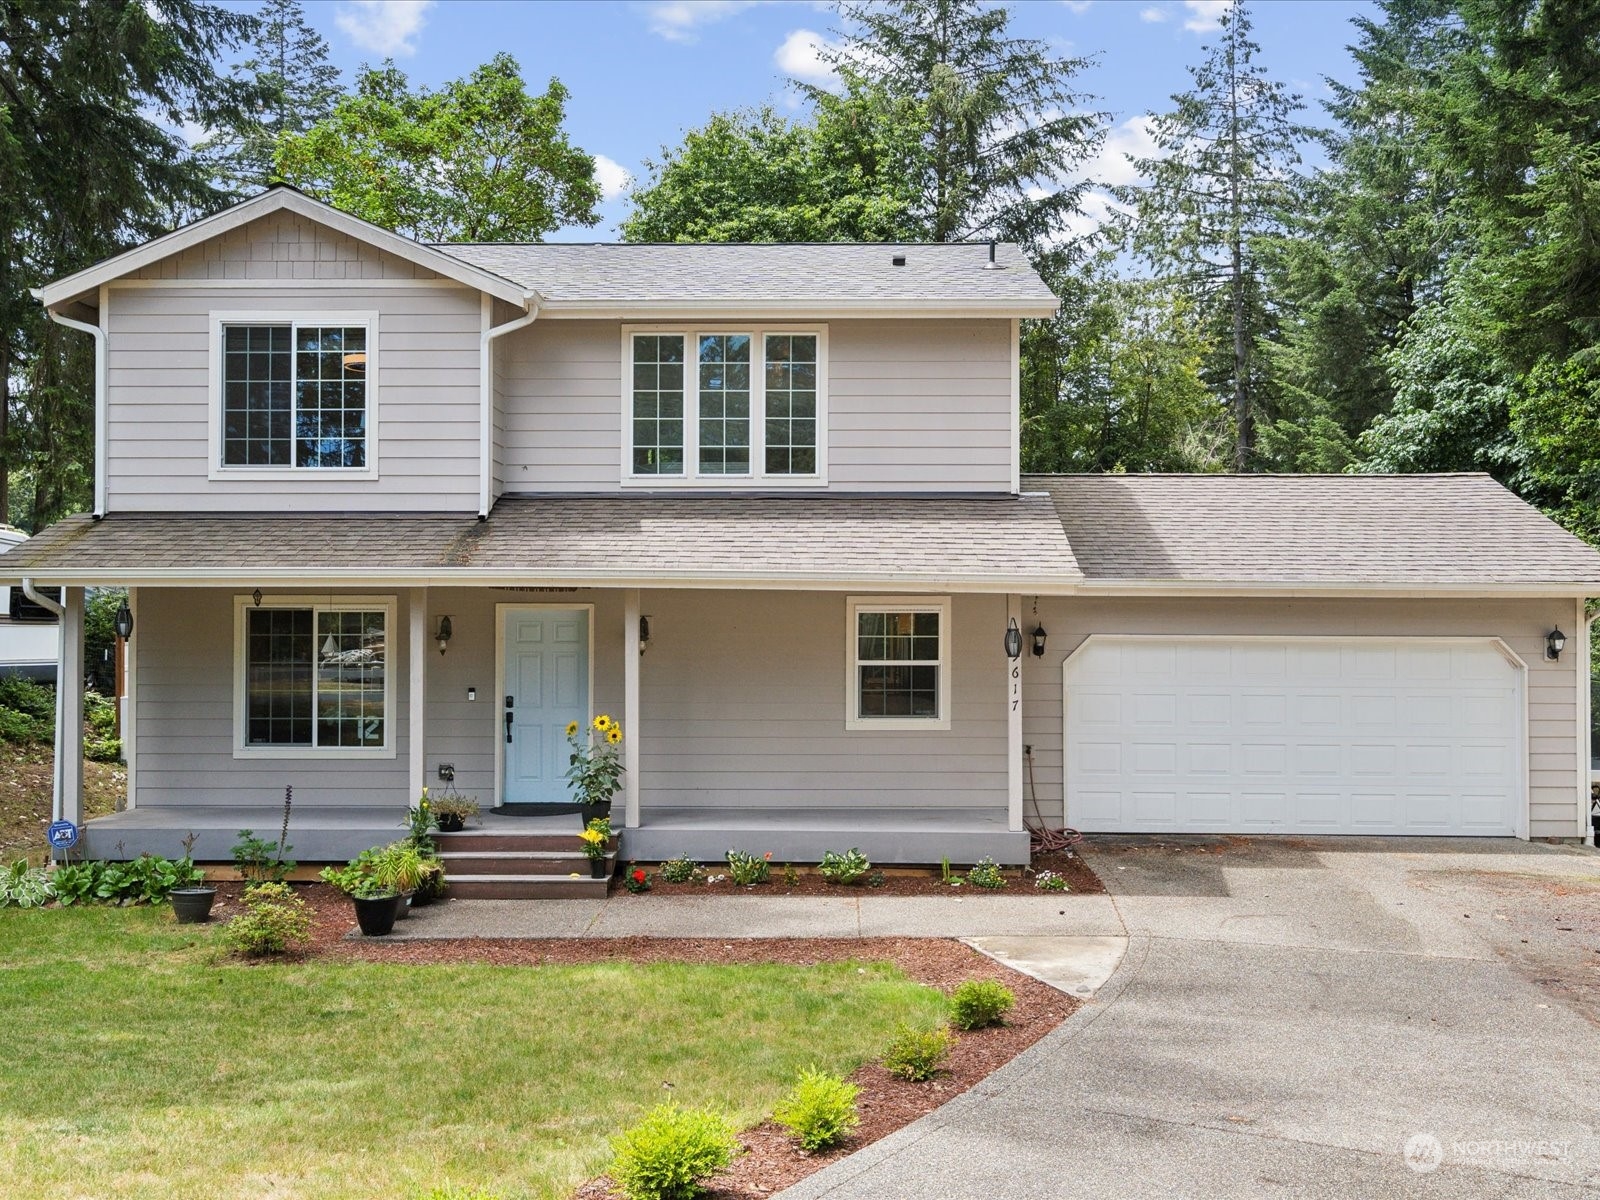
[(725, 407), (294, 394)]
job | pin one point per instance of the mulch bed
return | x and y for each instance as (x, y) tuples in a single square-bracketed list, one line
[(770, 1160)]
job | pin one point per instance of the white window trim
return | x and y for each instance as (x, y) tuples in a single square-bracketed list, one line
[(243, 604), (858, 604), (292, 317), (757, 479)]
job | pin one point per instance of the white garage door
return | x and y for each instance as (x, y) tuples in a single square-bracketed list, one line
[(1315, 735)]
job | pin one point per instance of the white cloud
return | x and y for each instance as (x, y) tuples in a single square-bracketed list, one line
[(384, 27), (680, 20), (1205, 15), (1111, 166), (614, 179), (1153, 16), (1078, 6), (800, 57)]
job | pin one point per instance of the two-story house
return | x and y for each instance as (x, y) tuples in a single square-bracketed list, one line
[(388, 511)]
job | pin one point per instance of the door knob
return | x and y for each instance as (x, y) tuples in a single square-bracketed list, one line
[(510, 716)]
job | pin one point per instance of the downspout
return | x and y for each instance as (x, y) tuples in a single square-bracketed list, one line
[(51, 606), (99, 405), (531, 302), (1587, 698)]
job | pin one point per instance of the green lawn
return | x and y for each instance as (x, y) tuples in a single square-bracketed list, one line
[(137, 1062)]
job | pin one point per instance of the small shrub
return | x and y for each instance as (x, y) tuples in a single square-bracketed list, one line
[(980, 1002), (746, 869), (667, 1155), (27, 711), (275, 921), (678, 870), (261, 861), (820, 1110), (74, 882), (844, 868), (986, 874), (877, 879), (637, 880), (791, 877), (1049, 881), (24, 886), (915, 1054)]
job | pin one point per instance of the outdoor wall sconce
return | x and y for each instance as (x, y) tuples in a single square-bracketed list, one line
[(1038, 641), (1013, 639), (256, 596), (644, 634), (123, 621), (445, 634), (1554, 643)]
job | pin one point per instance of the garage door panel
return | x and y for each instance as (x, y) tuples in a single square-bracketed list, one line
[(1355, 735)]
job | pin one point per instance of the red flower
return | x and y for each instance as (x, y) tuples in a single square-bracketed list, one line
[(638, 875)]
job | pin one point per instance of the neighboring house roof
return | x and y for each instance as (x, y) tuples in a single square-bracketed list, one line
[(782, 277), (1274, 532), (275, 199), (866, 541)]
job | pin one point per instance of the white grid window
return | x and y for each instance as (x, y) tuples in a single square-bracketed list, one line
[(899, 663), (294, 395)]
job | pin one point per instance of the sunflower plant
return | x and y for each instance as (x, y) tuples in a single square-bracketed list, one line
[(594, 769)]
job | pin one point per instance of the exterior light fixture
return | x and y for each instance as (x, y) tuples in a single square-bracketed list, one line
[(444, 635), (1038, 641), (1013, 639), (123, 621), (356, 362), (1554, 643), (256, 596), (644, 634)]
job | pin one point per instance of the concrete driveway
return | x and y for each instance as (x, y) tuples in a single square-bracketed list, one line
[(1341, 1018)]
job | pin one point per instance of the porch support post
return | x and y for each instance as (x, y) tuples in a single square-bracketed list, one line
[(416, 696), (1014, 724), (69, 709), (630, 706)]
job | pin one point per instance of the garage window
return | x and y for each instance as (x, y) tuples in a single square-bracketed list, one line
[(899, 663)]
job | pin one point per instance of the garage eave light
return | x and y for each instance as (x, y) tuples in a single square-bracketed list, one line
[(1554, 643)]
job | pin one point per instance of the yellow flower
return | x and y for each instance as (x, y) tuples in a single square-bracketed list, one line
[(572, 728), (593, 836), (602, 722), (614, 735)]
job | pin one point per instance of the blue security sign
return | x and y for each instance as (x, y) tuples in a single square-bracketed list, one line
[(63, 835)]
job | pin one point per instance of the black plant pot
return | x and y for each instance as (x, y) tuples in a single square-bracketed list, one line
[(403, 908), (376, 914), (192, 906), (451, 822), (598, 868)]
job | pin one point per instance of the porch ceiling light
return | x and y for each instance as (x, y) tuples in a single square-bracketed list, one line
[(445, 633), (1038, 641), (356, 362), (123, 621), (1013, 639), (1554, 643)]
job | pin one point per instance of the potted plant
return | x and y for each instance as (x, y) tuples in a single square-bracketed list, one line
[(595, 837), (377, 903), (431, 885), (191, 898), (451, 813), (594, 770), (398, 868)]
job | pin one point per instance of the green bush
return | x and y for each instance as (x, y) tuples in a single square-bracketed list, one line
[(844, 868), (980, 1002), (678, 870), (916, 1054), (73, 882), (27, 711), (820, 1110), (275, 921), (986, 874), (668, 1154), (24, 886), (746, 869)]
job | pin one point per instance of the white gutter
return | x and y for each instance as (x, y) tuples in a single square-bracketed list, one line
[(99, 405), (486, 393), (49, 605)]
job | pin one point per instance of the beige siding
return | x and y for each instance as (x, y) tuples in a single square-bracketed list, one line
[(185, 673), (158, 376), (1554, 718), (744, 707), (914, 406)]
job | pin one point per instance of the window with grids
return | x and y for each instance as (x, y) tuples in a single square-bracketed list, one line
[(899, 654), (294, 395), (791, 403), (658, 404), (315, 678), (725, 404)]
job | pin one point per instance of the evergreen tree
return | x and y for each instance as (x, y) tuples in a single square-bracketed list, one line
[(1219, 187), (297, 87)]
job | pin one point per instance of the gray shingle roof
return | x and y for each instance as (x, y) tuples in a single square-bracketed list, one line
[(1355, 530), (817, 273), (887, 541)]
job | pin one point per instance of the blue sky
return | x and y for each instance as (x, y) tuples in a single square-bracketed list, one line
[(641, 72)]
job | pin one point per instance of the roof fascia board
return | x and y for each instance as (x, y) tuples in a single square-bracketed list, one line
[(658, 310), (263, 205), (1334, 590)]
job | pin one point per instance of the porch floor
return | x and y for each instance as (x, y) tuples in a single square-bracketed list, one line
[(320, 834)]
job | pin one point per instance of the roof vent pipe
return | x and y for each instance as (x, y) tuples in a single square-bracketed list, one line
[(991, 265)]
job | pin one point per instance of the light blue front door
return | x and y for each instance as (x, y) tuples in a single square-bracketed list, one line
[(547, 686)]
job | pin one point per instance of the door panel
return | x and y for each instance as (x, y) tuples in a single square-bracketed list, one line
[(547, 687)]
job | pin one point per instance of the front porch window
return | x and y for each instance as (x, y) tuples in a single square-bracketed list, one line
[(314, 678), (899, 655)]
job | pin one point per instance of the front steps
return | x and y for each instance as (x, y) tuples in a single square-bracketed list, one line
[(501, 865)]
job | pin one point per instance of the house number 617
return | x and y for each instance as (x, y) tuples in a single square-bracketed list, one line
[(1016, 685)]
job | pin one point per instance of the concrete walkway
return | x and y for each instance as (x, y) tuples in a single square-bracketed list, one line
[(1296, 1019)]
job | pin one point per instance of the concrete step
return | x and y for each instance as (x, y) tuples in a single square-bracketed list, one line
[(477, 840), (516, 862), (527, 887)]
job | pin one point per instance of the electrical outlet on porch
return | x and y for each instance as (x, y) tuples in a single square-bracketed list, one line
[(447, 772)]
